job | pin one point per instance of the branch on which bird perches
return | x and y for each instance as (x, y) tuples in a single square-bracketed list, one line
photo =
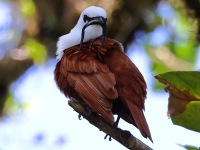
[(122, 136)]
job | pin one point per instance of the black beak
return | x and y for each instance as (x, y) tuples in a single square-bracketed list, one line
[(94, 21)]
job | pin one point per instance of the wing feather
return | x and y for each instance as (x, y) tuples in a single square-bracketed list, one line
[(91, 79), (131, 86)]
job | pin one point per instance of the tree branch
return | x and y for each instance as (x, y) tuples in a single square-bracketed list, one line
[(122, 136)]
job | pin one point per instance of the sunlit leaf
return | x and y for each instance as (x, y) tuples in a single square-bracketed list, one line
[(11, 106), (36, 51), (9, 101), (184, 97), (28, 7), (183, 80)]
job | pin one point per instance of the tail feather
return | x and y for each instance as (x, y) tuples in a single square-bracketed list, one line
[(140, 121), (144, 125)]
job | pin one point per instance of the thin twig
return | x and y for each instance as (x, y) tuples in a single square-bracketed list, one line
[(122, 136)]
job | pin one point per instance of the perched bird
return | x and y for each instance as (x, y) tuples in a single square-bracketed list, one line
[(94, 69)]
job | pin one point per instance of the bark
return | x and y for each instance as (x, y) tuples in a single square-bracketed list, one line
[(122, 136)]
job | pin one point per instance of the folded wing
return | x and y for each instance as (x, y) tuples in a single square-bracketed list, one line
[(91, 79), (131, 87)]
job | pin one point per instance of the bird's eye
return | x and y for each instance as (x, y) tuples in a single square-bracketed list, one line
[(86, 18)]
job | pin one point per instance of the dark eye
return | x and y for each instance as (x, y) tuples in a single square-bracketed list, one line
[(86, 18)]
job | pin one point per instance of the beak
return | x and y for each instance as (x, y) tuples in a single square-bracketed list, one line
[(94, 21)]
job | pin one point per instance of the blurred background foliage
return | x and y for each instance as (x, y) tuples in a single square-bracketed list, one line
[(169, 31)]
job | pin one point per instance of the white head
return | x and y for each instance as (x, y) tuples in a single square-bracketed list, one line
[(91, 24)]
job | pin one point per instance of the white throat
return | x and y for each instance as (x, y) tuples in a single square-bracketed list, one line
[(74, 37)]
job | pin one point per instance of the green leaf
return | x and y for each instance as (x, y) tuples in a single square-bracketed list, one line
[(189, 147), (28, 7), (11, 106), (36, 51), (190, 118), (184, 97), (184, 80)]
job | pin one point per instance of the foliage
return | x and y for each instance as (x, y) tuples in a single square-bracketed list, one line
[(190, 117), (189, 147), (174, 46), (168, 36), (11, 107), (27, 8), (184, 97), (36, 51)]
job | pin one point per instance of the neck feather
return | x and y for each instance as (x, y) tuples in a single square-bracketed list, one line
[(74, 38)]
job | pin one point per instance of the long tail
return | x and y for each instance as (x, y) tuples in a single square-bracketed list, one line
[(140, 121)]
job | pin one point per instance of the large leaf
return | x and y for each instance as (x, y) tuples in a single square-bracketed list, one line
[(184, 97)]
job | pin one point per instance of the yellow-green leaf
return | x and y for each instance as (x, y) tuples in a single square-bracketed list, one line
[(36, 51), (28, 7), (184, 80), (189, 147), (184, 97), (190, 118)]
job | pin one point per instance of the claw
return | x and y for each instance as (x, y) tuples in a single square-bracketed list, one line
[(115, 125), (110, 138), (84, 105), (79, 116)]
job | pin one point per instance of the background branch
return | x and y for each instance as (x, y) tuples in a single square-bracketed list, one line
[(122, 136)]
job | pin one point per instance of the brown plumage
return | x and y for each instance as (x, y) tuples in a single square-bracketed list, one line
[(106, 80)]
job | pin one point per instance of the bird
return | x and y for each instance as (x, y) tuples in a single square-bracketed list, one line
[(95, 70)]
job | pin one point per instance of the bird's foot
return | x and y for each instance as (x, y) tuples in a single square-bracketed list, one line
[(79, 116), (117, 121), (115, 125), (110, 138), (89, 110)]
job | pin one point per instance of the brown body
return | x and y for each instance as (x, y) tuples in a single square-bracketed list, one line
[(106, 80)]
